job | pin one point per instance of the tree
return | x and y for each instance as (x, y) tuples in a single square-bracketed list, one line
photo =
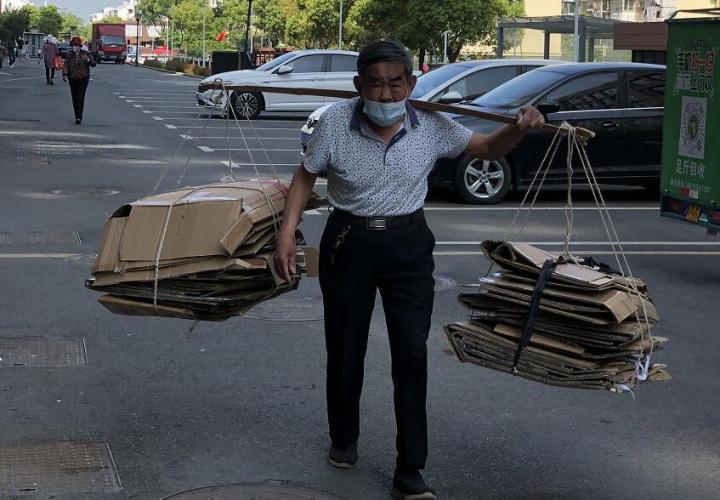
[(419, 24), (13, 23), (50, 20), (112, 19), (72, 23), (271, 19)]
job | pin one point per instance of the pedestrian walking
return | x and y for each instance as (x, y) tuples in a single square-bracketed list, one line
[(2, 54), (377, 152), (11, 52), (49, 56), (20, 48), (77, 71)]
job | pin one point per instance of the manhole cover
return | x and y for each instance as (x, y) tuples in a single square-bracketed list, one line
[(41, 352), (288, 308), (57, 469), (249, 491), (84, 191), (443, 282)]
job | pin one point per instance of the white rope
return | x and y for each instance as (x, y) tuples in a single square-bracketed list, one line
[(185, 139), (275, 213)]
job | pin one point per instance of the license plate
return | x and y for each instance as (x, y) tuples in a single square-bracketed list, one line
[(693, 213)]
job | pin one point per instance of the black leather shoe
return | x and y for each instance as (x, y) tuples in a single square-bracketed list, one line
[(409, 485), (77, 121), (343, 458)]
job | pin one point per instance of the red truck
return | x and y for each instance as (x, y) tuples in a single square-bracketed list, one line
[(108, 42)]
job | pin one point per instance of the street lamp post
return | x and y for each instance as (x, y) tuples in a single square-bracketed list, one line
[(445, 45), (203, 33), (138, 16), (340, 28), (576, 16)]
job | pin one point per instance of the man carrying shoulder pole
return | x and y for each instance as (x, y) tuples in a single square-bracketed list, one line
[(377, 151)]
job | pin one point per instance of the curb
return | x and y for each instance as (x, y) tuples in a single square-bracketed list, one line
[(169, 71)]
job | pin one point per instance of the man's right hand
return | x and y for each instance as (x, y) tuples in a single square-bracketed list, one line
[(285, 255)]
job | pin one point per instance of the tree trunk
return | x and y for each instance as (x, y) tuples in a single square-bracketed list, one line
[(421, 57)]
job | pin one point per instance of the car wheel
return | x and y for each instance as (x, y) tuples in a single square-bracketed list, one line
[(482, 182), (246, 105)]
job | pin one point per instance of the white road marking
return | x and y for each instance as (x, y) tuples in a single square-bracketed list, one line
[(513, 209), (312, 212), (170, 126), (196, 112), (6, 74), (128, 100), (122, 97), (594, 252), (170, 106), (205, 149), (251, 138), (146, 111), (294, 150), (39, 255), (598, 243), (233, 127), (242, 165), (159, 118), (17, 79), (137, 105)]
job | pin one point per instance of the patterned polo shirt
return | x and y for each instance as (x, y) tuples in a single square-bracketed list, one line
[(367, 177)]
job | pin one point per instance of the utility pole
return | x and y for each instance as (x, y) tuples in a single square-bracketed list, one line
[(203, 33), (340, 28), (445, 46), (247, 27), (577, 30)]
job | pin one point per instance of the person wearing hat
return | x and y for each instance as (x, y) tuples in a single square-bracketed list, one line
[(49, 53), (77, 72)]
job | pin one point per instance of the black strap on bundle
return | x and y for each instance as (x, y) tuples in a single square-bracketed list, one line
[(547, 269)]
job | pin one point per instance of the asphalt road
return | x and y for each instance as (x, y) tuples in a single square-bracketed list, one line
[(243, 401)]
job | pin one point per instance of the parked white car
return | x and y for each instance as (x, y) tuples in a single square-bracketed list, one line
[(454, 83), (322, 69)]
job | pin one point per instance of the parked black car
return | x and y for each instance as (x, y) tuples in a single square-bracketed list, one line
[(63, 49), (621, 102)]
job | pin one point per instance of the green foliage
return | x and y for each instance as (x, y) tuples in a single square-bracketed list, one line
[(13, 23), (112, 20), (178, 65), (50, 20)]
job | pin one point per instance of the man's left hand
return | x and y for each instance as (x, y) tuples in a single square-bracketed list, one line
[(529, 117)]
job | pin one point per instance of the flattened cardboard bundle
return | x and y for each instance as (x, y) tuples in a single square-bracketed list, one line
[(591, 330), (210, 249)]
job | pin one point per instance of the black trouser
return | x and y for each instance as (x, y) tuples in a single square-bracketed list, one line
[(399, 262), (77, 89), (11, 56), (49, 73)]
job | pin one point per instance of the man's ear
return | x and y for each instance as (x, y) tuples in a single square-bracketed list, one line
[(356, 82), (412, 81)]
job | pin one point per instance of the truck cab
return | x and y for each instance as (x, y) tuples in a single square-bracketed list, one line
[(108, 42)]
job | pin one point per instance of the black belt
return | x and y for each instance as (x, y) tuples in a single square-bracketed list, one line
[(380, 223)]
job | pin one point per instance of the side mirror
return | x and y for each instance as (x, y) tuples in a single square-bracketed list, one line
[(451, 97), (548, 107), (285, 70)]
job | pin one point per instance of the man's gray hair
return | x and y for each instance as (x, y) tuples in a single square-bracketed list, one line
[(383, 51)]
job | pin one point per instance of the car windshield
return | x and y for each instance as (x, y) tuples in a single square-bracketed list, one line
[(436, 77), (519, 90), (110, 39), (278, 61)]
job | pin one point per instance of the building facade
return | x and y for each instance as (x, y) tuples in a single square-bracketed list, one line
[(13, 4), (530, 43)]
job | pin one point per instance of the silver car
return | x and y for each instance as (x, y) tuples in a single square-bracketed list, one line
[(454, 83), (321, 69)]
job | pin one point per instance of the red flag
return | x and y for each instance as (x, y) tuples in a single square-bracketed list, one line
[(221, 36)]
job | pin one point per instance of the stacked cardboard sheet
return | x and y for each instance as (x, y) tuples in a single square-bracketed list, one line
[(592, 329), (203, 253)]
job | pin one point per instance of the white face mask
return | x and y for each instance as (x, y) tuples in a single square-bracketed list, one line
[(76, 49)]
